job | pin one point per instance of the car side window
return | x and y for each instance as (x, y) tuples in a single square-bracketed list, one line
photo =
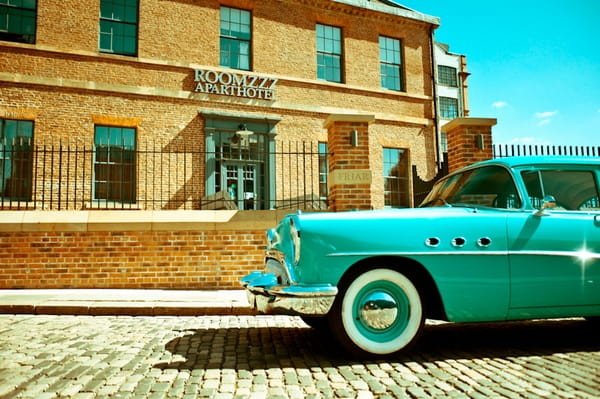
[(574, 190), (489, 186)]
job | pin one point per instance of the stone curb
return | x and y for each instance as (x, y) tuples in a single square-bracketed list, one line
[(125, 310), (124, 302)]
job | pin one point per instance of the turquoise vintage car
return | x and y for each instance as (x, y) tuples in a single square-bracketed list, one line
[(505, 239)]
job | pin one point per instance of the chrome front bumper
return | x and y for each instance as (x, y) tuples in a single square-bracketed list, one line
[(266, 295)]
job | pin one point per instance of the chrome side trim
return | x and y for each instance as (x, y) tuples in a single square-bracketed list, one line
[(582, 254), (428, 253), (573, 254)]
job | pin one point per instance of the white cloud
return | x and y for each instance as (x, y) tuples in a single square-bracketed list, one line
[(499, 104), (543, 122), (546, 114), (545, 117)]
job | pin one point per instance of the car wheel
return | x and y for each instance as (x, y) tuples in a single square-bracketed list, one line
[(379, 312)]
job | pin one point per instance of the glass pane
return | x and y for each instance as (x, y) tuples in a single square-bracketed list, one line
[(244, 63), (225, 28), (28, 25), (131, 14), (25, 129), (117, 28), (31, 4), (129, 30), (102, 153), (106, 9), (129, 138), (101, 191), (225, 15), (101, 135), (129, 46), (101, 171), (10, 131), (105, 41), (244, 48), (14, 21)]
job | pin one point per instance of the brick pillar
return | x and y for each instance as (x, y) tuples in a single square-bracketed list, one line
[(349, 179), (469, 141)]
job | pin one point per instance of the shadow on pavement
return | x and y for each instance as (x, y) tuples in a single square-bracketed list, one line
[(264, 348)]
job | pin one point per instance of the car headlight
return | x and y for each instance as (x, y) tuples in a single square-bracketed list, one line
[(295, 236)]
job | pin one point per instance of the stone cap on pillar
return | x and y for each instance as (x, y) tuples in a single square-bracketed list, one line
[(456, 122), (348, 118)]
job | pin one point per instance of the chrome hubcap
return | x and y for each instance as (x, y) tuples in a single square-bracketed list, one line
[(378, 310)]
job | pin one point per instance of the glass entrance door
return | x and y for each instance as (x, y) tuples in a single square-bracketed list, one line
[(241, 183)]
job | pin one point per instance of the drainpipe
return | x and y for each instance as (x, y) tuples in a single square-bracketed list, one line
[(435, 102)]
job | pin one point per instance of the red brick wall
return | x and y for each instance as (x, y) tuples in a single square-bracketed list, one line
[(469, 141), (158, 250), (165, 259), (347, 157)]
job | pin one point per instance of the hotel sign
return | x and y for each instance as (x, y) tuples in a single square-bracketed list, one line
[(234, 84)]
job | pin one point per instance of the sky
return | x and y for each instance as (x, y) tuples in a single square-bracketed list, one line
[(534, 65)]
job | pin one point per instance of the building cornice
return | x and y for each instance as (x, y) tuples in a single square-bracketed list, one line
[(396, 10)]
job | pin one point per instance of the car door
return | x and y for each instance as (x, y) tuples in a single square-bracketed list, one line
[(554, 255)]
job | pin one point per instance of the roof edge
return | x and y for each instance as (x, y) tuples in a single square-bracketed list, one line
[(393, 8)]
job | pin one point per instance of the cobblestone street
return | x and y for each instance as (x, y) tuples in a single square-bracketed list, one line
[(279, 357)]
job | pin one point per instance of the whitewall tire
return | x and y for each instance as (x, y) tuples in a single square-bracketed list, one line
[(379, 312)]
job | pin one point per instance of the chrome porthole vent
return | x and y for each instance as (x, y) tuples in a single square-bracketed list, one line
[(459, 242), (432, 242), (484, 242)]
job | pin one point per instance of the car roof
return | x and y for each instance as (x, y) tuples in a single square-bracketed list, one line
[(543, 160)]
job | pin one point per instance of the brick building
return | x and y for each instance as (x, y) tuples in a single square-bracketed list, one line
[(231, 82), (451, 88), (177, 108)]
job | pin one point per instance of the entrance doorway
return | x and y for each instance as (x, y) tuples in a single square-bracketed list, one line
[(241, 181)]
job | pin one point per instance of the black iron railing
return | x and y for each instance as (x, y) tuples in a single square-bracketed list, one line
[(74, 176), (509, 150)]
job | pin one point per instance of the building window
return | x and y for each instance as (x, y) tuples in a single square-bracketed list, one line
[(395, 178), (329, 53), (114, 164), (236, 35), (323, 171), (448, 108), (17, 20), (444, 142), (390, 56), (447, 76), (119, 26), (16, 159)]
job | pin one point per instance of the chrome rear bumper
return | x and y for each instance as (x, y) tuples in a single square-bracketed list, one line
[(267, 296)]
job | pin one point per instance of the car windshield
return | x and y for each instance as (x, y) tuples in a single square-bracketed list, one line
[(488, 186)]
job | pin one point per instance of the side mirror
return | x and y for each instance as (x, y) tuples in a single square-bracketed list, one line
[(549, 202)]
